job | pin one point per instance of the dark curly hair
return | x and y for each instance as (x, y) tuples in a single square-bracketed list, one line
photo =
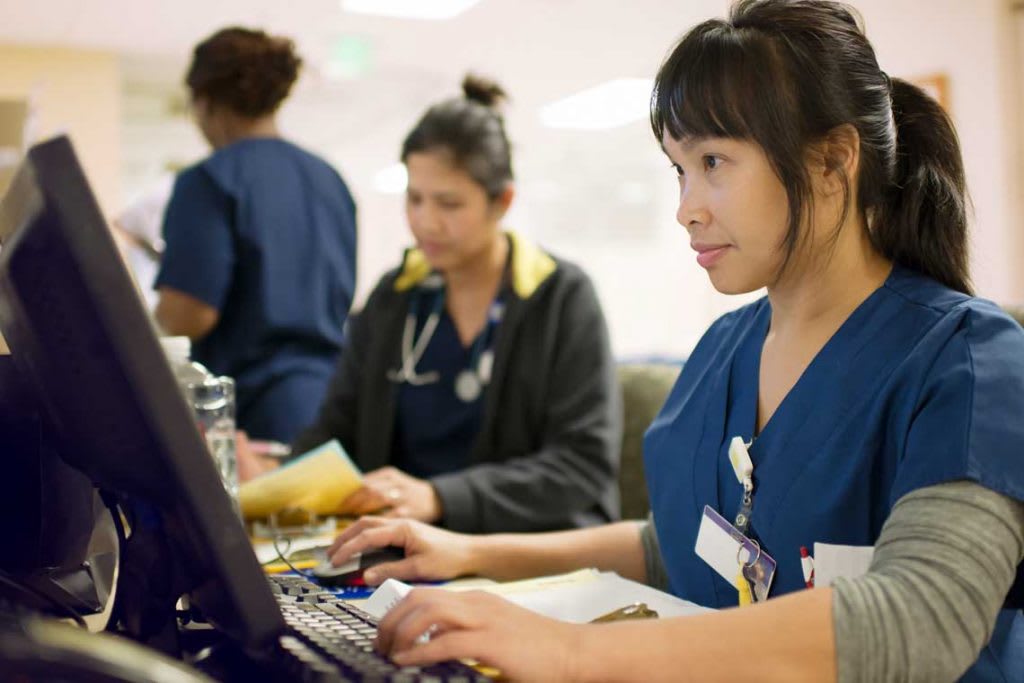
[(245, 70), (472, 131)]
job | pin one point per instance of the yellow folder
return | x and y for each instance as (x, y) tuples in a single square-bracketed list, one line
[(318, 481)]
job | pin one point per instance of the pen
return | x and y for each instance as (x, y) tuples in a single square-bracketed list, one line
[(807, 564)]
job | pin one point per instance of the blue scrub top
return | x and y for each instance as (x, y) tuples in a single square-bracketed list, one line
[(434, 429), (264, 232), (921, 385)]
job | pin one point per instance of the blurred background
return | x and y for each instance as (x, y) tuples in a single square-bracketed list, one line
[(592, 183)]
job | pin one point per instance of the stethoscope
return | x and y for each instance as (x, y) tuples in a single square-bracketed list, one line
[(470, 382)]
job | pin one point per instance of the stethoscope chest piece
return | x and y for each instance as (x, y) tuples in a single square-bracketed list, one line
[(468, 386)]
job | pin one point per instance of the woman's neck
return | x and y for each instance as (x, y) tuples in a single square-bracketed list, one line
[(480, 274), (237, 128), (826, 292)]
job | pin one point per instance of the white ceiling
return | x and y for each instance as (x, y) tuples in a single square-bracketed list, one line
[(550, 45), (539, 50)]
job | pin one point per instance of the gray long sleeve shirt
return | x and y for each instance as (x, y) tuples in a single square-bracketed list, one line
[(943, 565)]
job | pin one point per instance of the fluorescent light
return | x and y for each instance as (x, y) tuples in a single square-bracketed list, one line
[(409, 9), (350, 58), (608, 105), (391, 180)]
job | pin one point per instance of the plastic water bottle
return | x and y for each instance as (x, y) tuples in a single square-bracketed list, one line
[(213, 401)]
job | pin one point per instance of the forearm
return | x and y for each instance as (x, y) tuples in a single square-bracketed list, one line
[(536, 492), (788, 639), (613, 547)]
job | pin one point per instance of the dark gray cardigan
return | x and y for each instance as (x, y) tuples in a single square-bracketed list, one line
[(547, 453)]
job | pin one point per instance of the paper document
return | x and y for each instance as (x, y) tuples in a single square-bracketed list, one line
[(318, 482), (266, 552), (577, 597), (389, 594), (833, 562)]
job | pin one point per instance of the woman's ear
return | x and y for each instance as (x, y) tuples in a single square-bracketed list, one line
[(501, 203), (836, 160)]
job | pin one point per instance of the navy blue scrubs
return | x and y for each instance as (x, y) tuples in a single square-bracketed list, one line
[(920, 386), (264, 232), (434, 429)]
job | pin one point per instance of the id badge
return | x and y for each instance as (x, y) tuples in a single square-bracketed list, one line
[(728, 551)]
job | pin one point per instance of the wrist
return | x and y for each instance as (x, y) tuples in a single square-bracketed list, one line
[(480, 553), (578, 639), (436, 513)]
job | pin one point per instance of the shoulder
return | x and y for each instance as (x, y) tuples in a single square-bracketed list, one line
[(233, 164), (954, 318), (384, 294), (735, 324), (538, 274), (194, 189)]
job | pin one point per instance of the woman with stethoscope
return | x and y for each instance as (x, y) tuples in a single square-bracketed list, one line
[(476, 388)]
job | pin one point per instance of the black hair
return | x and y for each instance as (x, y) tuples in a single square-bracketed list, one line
[(784, 74), (245, 70), (471, 131)]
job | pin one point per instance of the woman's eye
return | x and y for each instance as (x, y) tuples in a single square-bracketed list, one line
[(711, 162), (678, 169)]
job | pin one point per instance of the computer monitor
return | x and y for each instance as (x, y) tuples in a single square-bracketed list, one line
[(80, 337)]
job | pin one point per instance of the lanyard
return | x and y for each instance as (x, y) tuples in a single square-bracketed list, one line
[(743, 467)]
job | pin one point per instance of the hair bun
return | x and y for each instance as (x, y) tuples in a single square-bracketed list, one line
[(484, 91)]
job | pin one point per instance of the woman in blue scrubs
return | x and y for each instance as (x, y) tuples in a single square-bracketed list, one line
[(259, 265), (867, 400)]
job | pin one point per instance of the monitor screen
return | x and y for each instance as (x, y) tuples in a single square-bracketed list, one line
[(79, 335)]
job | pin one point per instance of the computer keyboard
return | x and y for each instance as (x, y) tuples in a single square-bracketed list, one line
[(329, 639)]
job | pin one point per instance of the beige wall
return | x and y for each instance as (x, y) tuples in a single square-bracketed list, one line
[(76, 92), (973, 43)]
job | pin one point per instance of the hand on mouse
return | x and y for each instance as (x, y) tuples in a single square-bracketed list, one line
[(431, 554)]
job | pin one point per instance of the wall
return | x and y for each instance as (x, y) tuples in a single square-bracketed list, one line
[(973, 43), (76, 92), (607, 199)]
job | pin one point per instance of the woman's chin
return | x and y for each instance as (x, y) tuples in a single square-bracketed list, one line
[(725, 282)]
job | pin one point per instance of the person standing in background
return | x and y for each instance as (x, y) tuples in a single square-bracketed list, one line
[(259, 263)]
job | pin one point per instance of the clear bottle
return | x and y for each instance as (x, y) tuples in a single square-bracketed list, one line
[(212, 399)]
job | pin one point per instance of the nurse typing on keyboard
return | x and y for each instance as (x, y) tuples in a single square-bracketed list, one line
[(869, 399)]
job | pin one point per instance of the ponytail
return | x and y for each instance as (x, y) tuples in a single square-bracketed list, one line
[(921, 222), (785, 74)]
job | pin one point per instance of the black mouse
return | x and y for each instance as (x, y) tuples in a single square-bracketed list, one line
[(351, 573)]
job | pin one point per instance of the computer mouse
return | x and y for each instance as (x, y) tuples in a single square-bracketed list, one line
[(351, 573)]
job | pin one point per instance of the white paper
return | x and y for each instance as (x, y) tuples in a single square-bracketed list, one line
[(265, 551), (577, 597), (581, 602), (389, 594), (833, 562)]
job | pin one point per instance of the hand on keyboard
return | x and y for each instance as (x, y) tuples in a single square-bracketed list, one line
[(331, 641), (481, 626)]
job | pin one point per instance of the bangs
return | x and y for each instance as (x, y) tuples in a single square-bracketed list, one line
[(719, 81)]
